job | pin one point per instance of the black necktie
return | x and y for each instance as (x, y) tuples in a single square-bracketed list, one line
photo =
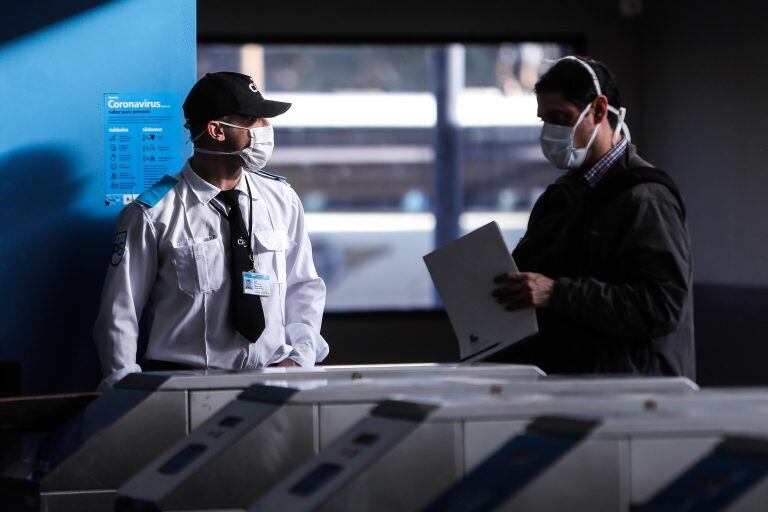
[(247, 312)]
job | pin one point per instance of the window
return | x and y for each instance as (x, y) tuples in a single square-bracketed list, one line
[(358, 147)]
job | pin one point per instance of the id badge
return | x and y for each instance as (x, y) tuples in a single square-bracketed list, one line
[(256, 284)]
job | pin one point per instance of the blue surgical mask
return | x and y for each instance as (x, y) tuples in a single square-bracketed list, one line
[(557, 143)]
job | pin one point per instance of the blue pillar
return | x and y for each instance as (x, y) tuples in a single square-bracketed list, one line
[(448, 200), (57, 60)]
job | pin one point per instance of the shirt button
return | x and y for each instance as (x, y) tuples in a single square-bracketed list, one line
[(199, 257)]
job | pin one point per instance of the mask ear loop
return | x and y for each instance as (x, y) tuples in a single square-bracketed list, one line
[(208, 151), (589, 69), (578, 122), (190, 138), (621, 126), (625, 129), (251, 131), (193, 139)]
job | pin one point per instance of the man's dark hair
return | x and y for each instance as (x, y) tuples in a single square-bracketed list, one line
[(575, 84)]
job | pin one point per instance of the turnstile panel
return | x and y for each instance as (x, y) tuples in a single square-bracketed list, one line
[(370, 440), (106, 454), (733, 477), (514, 465)]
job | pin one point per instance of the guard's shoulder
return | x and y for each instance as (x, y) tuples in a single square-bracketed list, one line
[(272, 176), (131, 216), (131, 212), (154, 194)]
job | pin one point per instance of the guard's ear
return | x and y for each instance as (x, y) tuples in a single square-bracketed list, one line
[(216, 131)]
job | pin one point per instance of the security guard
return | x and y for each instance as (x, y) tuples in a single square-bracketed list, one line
[(217, 255), (606, 259)]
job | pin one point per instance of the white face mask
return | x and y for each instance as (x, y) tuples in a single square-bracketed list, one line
[(258, 152), (557, 143)]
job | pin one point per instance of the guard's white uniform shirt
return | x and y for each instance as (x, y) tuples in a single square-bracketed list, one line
[(176, 263)]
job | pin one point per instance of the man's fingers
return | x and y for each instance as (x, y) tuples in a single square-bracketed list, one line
[(519, 304), (510, 295), (510, 288), (522, 290), (516, 286), (503, 278), (510, 277)]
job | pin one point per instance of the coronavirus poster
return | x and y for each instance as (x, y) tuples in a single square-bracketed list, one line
[(141, 142)]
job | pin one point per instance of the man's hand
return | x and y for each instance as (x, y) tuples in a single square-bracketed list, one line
[(524, 290), (286, 363)]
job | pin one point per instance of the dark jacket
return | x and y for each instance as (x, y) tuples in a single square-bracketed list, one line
[(620, 255)]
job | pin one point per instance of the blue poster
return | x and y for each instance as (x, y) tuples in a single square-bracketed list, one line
[(142, 134)]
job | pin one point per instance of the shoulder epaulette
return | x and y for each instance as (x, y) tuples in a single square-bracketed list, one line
[(156, 192), (262, 172)]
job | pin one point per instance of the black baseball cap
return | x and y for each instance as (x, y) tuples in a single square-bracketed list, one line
[(224, 93)]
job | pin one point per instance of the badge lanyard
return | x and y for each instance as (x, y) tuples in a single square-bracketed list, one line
[(263, 279)]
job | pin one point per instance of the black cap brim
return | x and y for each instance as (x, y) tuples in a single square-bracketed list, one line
[(266, 108)]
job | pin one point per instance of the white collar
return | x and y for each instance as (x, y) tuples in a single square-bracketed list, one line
[(205, 191)]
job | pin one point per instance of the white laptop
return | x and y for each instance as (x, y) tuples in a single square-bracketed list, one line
[(463, 273)]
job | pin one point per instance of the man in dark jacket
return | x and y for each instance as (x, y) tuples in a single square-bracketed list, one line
[(606, 257)]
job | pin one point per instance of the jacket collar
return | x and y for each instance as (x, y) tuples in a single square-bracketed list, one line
[(631, 159)]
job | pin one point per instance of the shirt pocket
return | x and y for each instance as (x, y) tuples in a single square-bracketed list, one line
[(199, 265), (271, 247)]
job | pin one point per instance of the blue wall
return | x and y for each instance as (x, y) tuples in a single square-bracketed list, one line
[(56, 63)]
